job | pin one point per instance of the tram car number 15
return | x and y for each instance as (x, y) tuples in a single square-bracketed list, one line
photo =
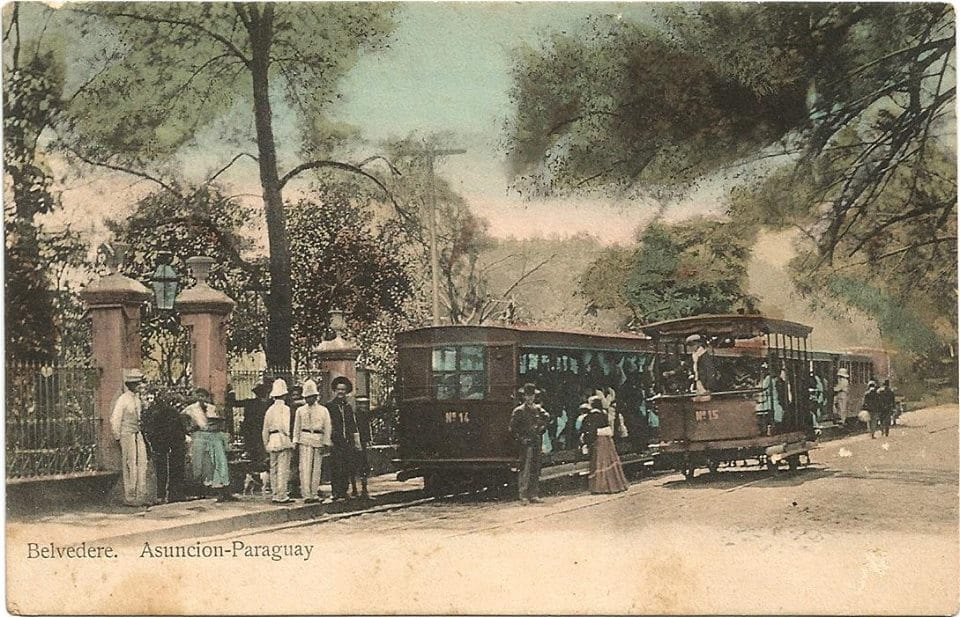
[(703, 415), (456, 417)]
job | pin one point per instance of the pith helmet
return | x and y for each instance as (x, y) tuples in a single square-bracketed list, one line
[(279, 388), (310, 389)]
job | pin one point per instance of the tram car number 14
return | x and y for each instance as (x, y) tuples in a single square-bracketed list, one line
[(702, 415), (456, 417)]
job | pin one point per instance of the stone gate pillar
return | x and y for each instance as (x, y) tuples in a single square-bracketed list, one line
[(113, 304), (205, 311), (338, 358)]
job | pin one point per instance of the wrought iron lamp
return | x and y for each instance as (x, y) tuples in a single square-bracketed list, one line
[(165, 282)]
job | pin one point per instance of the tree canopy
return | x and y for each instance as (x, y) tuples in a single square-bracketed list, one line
[(174, 77), (834, 119), (676, 270)]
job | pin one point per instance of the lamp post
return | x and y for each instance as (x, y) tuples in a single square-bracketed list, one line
[(165, 283)]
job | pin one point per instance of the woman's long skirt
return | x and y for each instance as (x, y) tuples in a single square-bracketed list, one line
[(208, 455), (606, 472)]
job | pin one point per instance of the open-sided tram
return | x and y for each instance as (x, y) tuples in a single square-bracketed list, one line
[(732, 388)]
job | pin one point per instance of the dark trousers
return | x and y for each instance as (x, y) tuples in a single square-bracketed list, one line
[(529, 480), (339, 462), (169, 460), (885, 420)]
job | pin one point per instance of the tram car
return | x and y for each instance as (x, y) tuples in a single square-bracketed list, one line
[(459, 384), (738, 388)]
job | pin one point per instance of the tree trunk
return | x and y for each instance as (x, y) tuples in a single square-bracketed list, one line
[(279, 301)]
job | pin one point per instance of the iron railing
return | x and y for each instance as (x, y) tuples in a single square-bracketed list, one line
[(51, 419)]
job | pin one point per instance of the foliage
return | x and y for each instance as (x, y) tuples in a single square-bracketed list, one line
[(688, 268), (342, 261), (169, 75), (32, 84), (204, 223), (845, 113)]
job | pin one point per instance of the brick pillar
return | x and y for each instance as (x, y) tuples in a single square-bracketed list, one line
[(113, 303), (205, 311), (338, 358)]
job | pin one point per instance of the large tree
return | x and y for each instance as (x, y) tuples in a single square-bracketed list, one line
[(175, 76), (341, 259), (842, 113)]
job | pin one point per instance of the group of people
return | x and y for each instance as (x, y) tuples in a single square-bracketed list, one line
[(318, 431), (529, 422), (880, 405), (155, 427), (148, 426)]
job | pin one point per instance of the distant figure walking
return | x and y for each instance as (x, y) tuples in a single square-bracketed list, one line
[(606, 471), (888, 404), (871, 404), (277, 442), (528, 422), (125, 422), (841, 393)]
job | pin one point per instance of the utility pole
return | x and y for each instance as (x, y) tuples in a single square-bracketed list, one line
[(432, 155)]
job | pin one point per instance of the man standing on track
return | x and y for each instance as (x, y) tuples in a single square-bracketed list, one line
[(527, 424)]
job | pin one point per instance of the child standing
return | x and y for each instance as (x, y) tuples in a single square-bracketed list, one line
[(276, 441)]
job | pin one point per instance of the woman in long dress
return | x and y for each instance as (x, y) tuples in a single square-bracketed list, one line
[(606, 471)]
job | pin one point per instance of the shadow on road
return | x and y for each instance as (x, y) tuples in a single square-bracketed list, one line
[(728, 479)]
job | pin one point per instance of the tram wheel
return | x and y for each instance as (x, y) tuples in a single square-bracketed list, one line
[(713, 465), (689, 472)]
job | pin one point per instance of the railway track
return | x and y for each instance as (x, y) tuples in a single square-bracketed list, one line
[(492, 495)]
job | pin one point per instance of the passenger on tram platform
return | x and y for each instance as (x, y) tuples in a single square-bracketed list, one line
[(841, 393), (769, 409)]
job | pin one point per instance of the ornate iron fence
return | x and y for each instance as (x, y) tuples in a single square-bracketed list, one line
[(51, 419)]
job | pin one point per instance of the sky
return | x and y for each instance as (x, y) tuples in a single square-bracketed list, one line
[(448, 70)]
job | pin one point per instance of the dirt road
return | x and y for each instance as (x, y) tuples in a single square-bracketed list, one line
[(870, 528)]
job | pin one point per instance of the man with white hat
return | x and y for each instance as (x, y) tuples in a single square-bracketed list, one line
[(312, 433), (125, 422), (840, 394), (276, 441)]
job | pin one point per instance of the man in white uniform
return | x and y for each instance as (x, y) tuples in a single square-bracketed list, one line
[(277, 442), (312, 434), (125, 423)]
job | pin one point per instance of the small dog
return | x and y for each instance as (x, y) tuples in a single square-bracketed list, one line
[(257, 482)]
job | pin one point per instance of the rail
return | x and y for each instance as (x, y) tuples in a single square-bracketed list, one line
[(51, 420)]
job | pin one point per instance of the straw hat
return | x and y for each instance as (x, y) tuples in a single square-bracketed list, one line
[(132, 375), (843, 373), (279, 388)]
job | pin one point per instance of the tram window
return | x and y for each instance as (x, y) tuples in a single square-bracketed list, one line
[(459, 372)]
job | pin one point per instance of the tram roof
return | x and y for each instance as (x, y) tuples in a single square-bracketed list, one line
[(738, 326), (523, 335)]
